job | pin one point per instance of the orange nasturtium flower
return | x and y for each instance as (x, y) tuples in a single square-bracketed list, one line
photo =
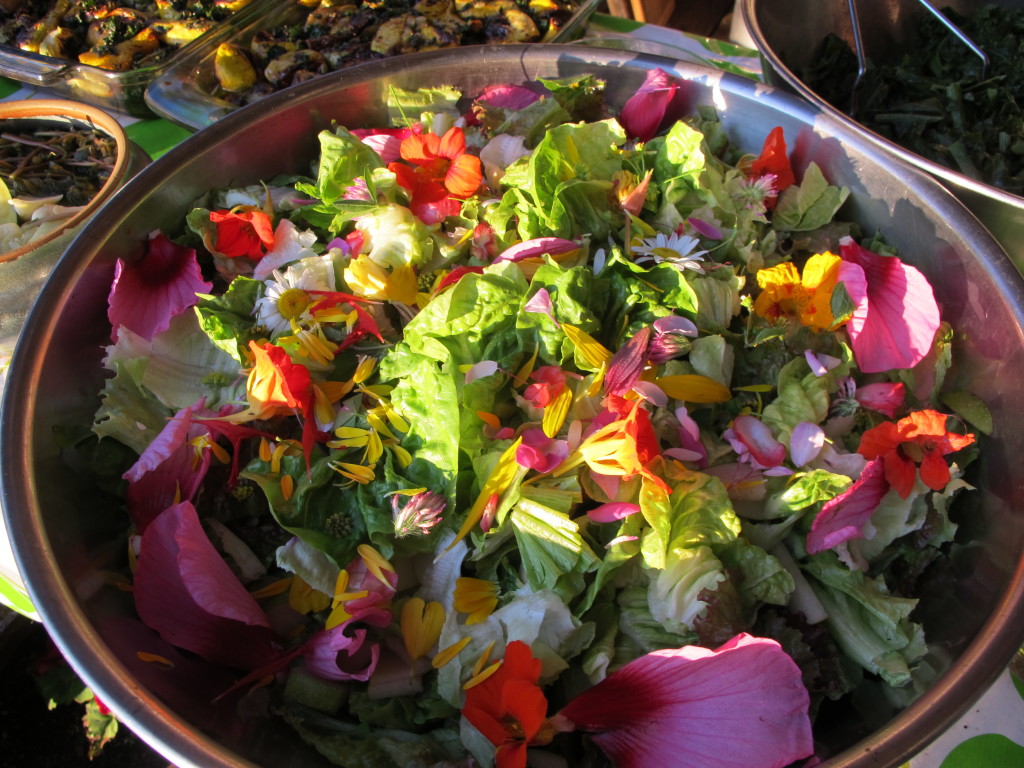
[(922, 438), (509, 708), (276, 386), (785, 293), (444, 159), (242, 234)]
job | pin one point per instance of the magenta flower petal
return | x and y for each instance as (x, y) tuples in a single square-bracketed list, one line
[(709, 231), (628, 363), (843, 517), (145, 295), (536, 247), (756, 437), (884, 396), (612, 511), (508, 96), (334, 655), (740, 706), (895, 321), (187, 593), (642, 114), (167, 470), (540, 452)]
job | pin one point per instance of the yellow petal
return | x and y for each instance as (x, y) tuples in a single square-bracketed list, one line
[(524, 373), (693, 388), (592, 351), (556, 411), (376, 563), (445, 655), (500, 479)]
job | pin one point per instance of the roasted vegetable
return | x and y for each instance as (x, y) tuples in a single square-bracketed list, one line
[(233, 69)]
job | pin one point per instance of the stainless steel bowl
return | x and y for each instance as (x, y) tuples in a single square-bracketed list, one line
[(788, 34), (62, 538)]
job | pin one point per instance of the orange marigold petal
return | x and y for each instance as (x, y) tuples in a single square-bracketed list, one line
[(464, 175)]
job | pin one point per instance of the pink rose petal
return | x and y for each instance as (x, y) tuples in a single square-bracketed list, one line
[(843, 517), (739, 706)]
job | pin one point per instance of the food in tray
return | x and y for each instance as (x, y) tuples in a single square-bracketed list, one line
[(339, 33), (942, 106), (117, 35), (46, 176)]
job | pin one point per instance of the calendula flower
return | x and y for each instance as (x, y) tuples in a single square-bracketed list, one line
[(806, 297), (476, 597), (247, 234), (741, 705), (676, 249), (919, 440), (509, 708), (286, 299), (148, 293)]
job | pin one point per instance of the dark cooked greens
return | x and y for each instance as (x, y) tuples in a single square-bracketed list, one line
[(933, 99)]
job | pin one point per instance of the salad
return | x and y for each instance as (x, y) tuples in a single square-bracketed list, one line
[(519, 432)]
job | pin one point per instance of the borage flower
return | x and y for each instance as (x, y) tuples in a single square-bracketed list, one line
[(741, 705), (146, 294), (509, 708)]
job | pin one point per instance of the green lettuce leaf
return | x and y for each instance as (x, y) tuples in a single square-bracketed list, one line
[(810, 205), (551, 547), (228, 320)]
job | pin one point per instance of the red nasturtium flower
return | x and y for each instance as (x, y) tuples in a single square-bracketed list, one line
[(774, 160), (243, 234), (509, 708), (920, 438)]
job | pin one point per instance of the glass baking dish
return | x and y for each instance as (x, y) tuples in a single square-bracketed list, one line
[(189, 92), (123, 91)]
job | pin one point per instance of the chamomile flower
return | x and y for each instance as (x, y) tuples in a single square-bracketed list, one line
[(287, 298), (675, 249)]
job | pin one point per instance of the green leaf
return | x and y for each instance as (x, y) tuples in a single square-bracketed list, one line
[(343, 159), (810, 205), (971, 408), (228, 320), (550, 545)]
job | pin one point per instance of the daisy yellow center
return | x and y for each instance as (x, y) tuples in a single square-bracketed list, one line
[(292, 303)]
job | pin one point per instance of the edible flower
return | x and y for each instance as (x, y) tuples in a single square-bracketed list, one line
[(476, 597), (421, 624), (146, 294), (843, 517), (676, 249), (419, 514), (643, 112), (740, 705), (246, 234), (509, 708), (774, 161), (786, 293), (920, 439), (896, 315)]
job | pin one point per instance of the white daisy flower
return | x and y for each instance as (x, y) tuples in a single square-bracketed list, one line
[(286, 298), (675, 249)]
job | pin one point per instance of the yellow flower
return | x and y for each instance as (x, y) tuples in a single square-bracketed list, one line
[(476, 597), (421, 626), (787, 294), (368, 279), (305, 599)]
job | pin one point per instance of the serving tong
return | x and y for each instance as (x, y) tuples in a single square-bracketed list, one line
[(858, 46)]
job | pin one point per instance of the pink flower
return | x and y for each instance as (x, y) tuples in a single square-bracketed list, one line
[(550, 383), (540, 303), (805, 443), (739, 706), (386, 142), (335, 655), (147, 293), (540, 452), (752, 439), (537, 247), (187, 593), (612, 511), (642, 114), (884, 396), (513, 97), (843, 517), (896, 316), (628, 363)]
